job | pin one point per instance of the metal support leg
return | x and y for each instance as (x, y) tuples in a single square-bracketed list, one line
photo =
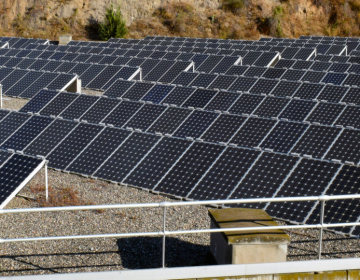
[(164, 239), (46, 182), (321, 229)]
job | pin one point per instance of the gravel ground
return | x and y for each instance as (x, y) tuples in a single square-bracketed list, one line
[(13, 103), (125, 253)]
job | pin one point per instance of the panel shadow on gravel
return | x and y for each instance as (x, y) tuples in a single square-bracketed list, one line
[(146, 252)]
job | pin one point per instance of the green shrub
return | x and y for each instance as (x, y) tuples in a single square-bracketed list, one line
[(113, 25)]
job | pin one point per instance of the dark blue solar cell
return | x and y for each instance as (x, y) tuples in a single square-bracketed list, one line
[(39, 101), (334, 78)]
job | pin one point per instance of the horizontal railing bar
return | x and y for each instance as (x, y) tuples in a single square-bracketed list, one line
[(180, 203), (179, 232)]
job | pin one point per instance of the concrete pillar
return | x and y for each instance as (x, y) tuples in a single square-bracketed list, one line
[(64, 39), (246, 246)]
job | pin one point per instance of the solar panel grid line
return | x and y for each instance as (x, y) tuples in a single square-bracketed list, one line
[(261, 102), (200, 138), (184, 121), (5, 161), (339, 115), (115, 150), (284, 181), (333, 143), (79, 154), (246, 173), (240, 127), (323, 193), (142, 159), (206, 172), (54, 100), (311, 111)]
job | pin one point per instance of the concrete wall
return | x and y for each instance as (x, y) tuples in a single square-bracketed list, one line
[(330, 275)]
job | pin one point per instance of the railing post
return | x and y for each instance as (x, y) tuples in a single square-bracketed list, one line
[(164, 238), (321, 229), (46, 183)]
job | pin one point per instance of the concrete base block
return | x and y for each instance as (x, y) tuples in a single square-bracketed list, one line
[(244, 247), (64, 39)]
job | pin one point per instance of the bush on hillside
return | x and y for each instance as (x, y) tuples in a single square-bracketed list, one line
[(113, 25)]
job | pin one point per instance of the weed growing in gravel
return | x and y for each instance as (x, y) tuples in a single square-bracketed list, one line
[(67, 196)]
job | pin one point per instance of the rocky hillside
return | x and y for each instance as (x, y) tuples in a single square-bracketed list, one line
[(233, 19)]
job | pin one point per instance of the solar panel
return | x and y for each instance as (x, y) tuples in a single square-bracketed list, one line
[(72, 145), (3, 114), (351, 80), (148, 65), (352, 96), (103, 77), (26, 63), (223, 66), (209, 64), (13, 78), (334, 78), (251, 57), (237, 70), (80, 68), (320, 66), (90, 74), (13, 173), (332, 93), (302, 65), (246, 104), (298, 110), (26, 133), (145, 116), (273, 73), (126, 157), (266, 59), (182, 177), (222, 101), (305, 54), (174, 71), (196, 124), (100, 110), (310, 177), (263, 86), (200, 98), (90, 159), (26, 81), (340, 211), (155, 165), (159, 70), (185, 78), (158, 93), (325, 113), (242, 84), (39, 101), (223, 128), (222, 82), (169, 121), (283, 137), (346, 147), (339, 67), (349, 117), (11, 123), (285, 88), (308, 91), (316, 141), (122, 113), (264, 177), (289, 53), (118, 88), (271, 107), (255, 71), (58, 104)]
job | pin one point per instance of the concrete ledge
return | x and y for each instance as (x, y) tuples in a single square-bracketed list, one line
[(241, 271)]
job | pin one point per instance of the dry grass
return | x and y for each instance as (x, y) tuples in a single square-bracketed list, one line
[(67, 196), (233, 19)]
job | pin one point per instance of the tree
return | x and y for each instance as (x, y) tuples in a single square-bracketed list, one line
[(113, 25)]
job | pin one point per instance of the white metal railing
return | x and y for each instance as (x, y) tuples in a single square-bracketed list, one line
[(321, 226)]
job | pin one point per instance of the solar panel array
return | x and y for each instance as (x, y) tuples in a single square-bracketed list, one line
[(280, 118)]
